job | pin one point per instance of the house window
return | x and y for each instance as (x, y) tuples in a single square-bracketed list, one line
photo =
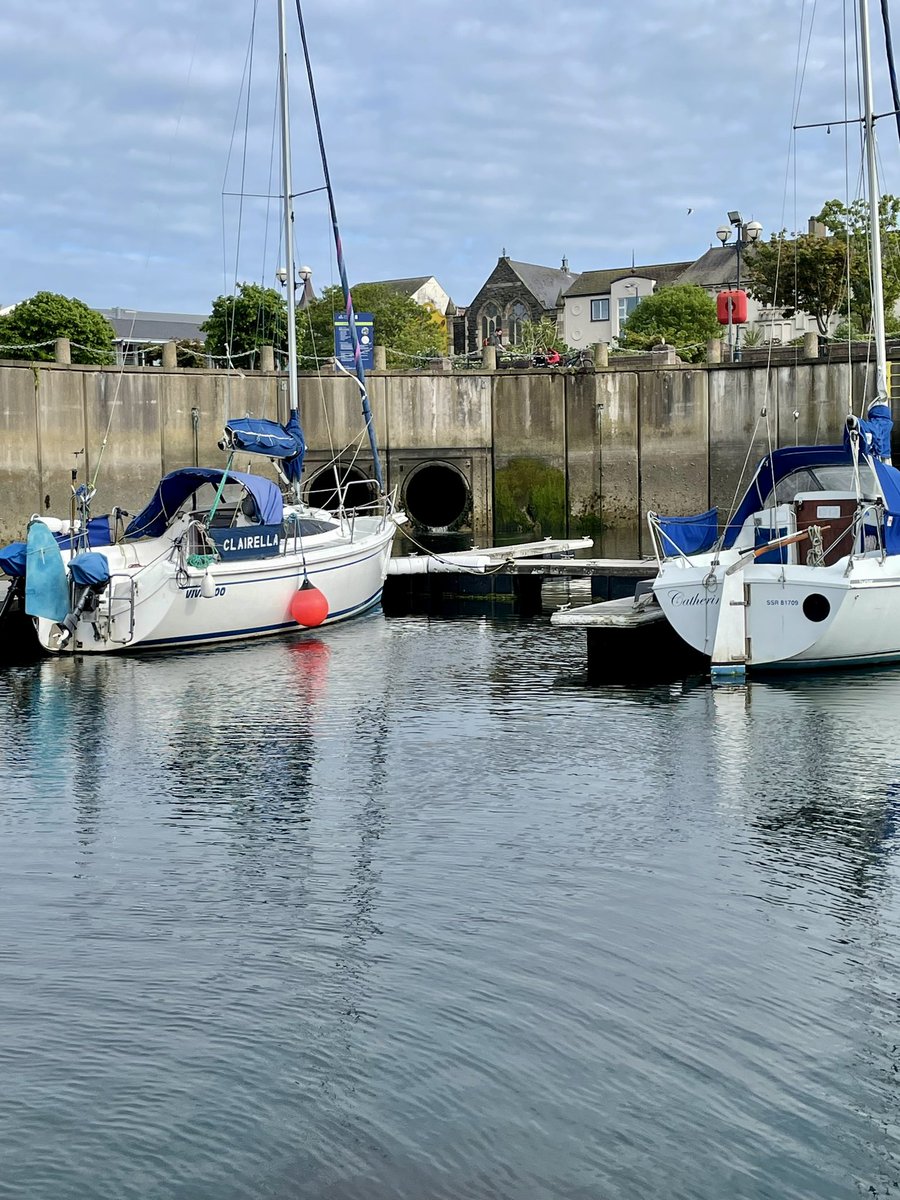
[(600, 309), (490, 322), (517, 315), (627, 305)]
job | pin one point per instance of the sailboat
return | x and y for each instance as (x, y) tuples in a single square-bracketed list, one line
[(807, 571), (216, 554)]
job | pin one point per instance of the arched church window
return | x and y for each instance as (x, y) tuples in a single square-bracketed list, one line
[(490, 322), (518, 314)]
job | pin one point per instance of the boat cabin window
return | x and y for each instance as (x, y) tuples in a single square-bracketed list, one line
[(236, 506), (835, 478)]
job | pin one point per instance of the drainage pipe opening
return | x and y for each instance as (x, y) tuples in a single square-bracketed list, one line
[(357, 487), (437, 496)]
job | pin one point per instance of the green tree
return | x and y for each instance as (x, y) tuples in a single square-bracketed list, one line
[(825, 276), (47, 316), (409, 331), (238, 325), (682, 315), (850, 227)]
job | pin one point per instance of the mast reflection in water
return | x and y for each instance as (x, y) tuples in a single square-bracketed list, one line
[(406, 909)]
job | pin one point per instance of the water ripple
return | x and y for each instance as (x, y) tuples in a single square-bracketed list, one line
[(400, 910)]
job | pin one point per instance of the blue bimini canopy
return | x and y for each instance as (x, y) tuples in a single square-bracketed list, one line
[(257, 436), (177, 486), (771, 470)]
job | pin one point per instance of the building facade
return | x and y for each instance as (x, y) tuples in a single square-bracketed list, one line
[(513, 293)]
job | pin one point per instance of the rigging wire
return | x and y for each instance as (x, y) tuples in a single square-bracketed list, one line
[(348, 300), (889, 50)]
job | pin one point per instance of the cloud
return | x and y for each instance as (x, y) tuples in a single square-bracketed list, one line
[(577, 128)]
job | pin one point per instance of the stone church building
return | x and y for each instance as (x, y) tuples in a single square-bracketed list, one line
[(514, 292)]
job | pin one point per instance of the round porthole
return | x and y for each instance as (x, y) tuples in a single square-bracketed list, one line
[(816, 607)]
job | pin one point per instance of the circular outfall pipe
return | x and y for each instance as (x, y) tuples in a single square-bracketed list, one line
[(358, 488), (437, 496)]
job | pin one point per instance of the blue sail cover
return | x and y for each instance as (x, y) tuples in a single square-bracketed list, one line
[(257, 436), (874, 431), (690, 535), (177, 486)]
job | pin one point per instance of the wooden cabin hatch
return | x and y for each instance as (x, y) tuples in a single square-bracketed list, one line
[(838, 511)]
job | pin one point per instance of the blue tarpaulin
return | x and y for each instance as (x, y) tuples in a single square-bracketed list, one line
[(690, 535), (177, 486), (257, 436), (46, 585), (89, 569)]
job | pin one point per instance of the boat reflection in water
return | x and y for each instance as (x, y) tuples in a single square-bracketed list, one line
[(825, 812)]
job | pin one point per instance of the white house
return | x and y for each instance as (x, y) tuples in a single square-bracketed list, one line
[(598, 303), (424, 289)]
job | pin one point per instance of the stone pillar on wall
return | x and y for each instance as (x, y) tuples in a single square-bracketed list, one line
[(169, 356), (62, 351), (267, 358), (714, 350), (489, 358), (379, 358), (601, 355), (810, 345)]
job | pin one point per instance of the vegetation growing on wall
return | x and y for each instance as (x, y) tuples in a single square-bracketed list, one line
[(530, 498)]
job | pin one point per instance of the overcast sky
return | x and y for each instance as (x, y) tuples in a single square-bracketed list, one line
[(595, 129)]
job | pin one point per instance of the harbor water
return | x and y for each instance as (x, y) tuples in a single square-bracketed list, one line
[(408, 908)]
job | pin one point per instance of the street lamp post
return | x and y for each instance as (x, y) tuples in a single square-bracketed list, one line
[(745, 235)]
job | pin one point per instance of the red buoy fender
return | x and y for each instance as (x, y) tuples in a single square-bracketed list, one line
[(309, 606)]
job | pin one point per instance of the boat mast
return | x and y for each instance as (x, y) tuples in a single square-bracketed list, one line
[(342, 269), (882, 396), (288, 211)]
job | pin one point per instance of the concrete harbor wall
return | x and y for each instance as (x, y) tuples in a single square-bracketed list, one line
[(493, 455)]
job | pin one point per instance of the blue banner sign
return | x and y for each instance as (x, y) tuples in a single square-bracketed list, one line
[(343, 343), (247, 541)]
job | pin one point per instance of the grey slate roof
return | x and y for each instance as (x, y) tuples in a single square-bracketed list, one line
[(154, 326), (597, 283), (716, 268), (405, 286), (544, 283)]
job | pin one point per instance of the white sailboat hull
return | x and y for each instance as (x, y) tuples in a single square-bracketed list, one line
[(785, 616), (153, 602)]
